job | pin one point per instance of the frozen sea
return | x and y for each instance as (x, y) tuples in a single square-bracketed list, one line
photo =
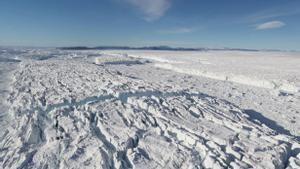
[(149, 109)]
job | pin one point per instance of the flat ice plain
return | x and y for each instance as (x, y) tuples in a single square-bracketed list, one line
[(149, 109)]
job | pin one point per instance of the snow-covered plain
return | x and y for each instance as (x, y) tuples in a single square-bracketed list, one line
[(149, 109)]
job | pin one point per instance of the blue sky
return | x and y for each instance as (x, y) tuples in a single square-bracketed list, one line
[(269, 24)]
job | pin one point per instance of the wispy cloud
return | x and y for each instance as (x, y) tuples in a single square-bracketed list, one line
[(151, 9), (270, 25), (289, 9), (272, 14), (180, 30)]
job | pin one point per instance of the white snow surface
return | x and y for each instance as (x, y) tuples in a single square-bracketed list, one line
[(149, 109)]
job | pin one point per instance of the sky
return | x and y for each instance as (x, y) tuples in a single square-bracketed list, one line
[(252, 24)]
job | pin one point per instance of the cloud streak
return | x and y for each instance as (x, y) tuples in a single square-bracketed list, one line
[(289, 8), (270, 25), (151, 9), (177, 30), (271, 14)]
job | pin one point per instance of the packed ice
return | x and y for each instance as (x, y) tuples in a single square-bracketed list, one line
[(149, 109)]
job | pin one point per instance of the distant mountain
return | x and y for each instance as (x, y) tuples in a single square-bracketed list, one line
[(167, 48), (75, 48)]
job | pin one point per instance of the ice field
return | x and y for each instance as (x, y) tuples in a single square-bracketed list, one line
[(149, 109)]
